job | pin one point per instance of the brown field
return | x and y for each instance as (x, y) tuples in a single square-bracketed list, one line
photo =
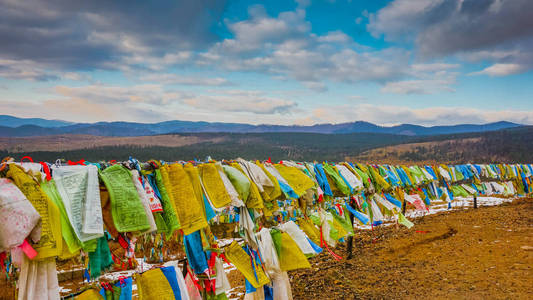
[(392, 154), (76, 141)]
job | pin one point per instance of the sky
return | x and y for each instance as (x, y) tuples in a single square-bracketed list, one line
[(427, 62)]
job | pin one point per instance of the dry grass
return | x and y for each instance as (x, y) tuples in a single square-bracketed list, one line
[(76, 141), (392, 154)]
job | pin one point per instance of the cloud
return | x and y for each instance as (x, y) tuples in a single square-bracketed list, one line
[(76, 76), (303, 3), (463, 27), (401, 18), (166, 78), (95, 34), (434, 67), (155, 97), (252, 107), (241, 101), (153, 103), (34, 71), (281, 46), (356, 98), (261, 30), (126, 95), (285, 46), (427, 79), (83, 106), (501, 70), (24, 69), (334, 37), (316, 86), (394, 115), (83, 110), (429, 86)]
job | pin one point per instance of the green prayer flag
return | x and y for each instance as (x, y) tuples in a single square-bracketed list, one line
[(169, 214), (67, 231), (126, 206)]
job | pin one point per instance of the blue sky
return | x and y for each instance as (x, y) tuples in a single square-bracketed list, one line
[(428, 62)]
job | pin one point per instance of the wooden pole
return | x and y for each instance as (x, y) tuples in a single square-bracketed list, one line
[(349, 247)]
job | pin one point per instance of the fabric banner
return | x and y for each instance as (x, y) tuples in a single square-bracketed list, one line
[(246, 265), (298, 236), (290, 255), (126, 207), (80, 193), (144, 200), (50, 243), (154, 285), (187, 204), (19, 217), (38, 280)]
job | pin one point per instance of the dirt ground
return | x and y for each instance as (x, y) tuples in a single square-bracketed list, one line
[(462, 254)]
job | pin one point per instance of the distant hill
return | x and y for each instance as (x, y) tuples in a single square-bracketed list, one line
[(297, 146), (10, 121), (506, 145), (17, 127), (509, 145)]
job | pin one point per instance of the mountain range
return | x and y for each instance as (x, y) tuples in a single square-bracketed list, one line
[(11, 126)]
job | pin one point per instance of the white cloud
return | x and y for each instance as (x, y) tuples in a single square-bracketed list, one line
[(303, 3), (241, 101), (401, 17), (434, 67), (285, 46), (356, 98), (281, 46), (35, 71), (155, 97), (334, 37), (261, 30), (424, 86), (430, 78), (502, 70), (129, 95), (25, 70), (393, 115), (166, 78), (77, 76), (135, 61), (491, 55), (315, 86), (244, 107), (499, 31)]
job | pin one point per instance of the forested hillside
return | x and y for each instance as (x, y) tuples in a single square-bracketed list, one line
[(297, 146), (509, 145)]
